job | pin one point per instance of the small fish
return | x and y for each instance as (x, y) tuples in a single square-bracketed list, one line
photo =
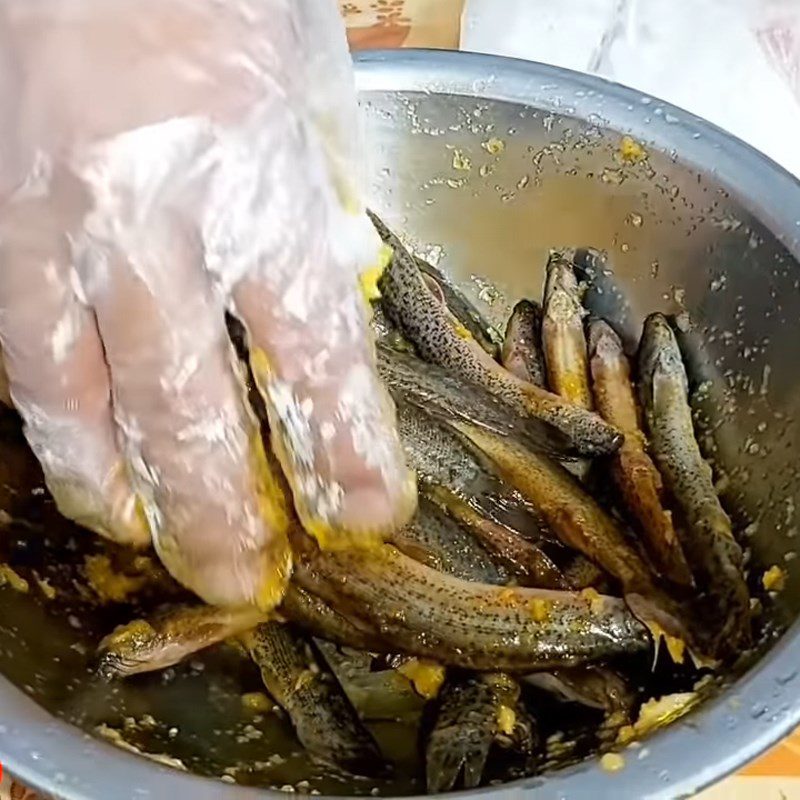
[(708, 539), (522, 347), (425, 322), (583, 524), (440, 456), (718, 434), (592, 686), (446, 396), (635, 475), (457, 476), (530, 564), (463, 311), (563, 339), (456, 739), (324, 720), (435, 539), (475, 712), (147, 645), (459, 623)]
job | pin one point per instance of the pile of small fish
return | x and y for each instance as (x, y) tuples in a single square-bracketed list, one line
[(567, 521)]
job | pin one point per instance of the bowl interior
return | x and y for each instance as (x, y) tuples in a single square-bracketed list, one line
[(485, 188), (677, 239)]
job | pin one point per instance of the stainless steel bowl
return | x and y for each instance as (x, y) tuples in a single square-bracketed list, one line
[(703, 224)]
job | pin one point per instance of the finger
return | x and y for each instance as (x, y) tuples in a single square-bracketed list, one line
[(282, 232), (332, 422), (5, 390), (216, 518), (58, 377)]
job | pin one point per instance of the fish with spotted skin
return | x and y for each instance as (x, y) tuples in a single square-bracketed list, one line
[(439, 394), (429, 326), (459, 623), (458, 738), (432, 538), (563, 340), (637, 479), (522, 347), (458, 477), (300, 681), (436, 539), (475, 712), (158, 643), (708, 539), (444, 395), (583, 524), (466, 721)]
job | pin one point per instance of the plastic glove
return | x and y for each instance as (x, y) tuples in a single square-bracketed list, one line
[(161, 161)]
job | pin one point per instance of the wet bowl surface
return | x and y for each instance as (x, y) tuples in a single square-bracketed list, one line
[(485, 164)]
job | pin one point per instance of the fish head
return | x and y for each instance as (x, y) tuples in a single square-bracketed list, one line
[(603, 339), (659, 355), (562, 299), (529, 309), (124, 649)]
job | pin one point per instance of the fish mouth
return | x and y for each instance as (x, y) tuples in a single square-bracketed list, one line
[(110, 666)]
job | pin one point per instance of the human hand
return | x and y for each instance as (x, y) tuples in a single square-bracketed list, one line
[(163, 160)]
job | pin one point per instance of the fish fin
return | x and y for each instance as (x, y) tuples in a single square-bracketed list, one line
[(656, 619), (656, 648), (511, 511), (452, 749), (462, 736), (518, 554), (702, 662), (475, 762)]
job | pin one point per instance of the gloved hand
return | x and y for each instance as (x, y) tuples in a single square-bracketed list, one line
[(161, 161)]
